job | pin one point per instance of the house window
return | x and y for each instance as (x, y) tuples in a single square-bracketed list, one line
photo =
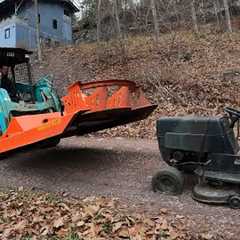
[(7, 33), (55, 24)]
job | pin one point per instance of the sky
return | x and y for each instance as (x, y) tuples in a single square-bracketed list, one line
[(77, 2)]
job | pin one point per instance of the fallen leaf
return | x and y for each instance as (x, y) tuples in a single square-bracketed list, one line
[(62, 232), (116, 226), (123, 233), (45, 231), (76, 217), (20, 226), (80, 223), (58, 223), (7, 233), (164, 224), (92, 210), (163, 210), (207, 236), (63, 205)]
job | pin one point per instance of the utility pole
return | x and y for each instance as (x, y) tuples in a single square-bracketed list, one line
[(39, 50)]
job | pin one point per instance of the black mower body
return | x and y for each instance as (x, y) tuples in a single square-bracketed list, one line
[(189, 142), (196, 134)]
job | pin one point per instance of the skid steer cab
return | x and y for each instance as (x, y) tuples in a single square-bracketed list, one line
[(33, 115), (206, 147), (18, 95)]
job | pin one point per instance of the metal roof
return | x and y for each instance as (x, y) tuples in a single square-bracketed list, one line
[(9, 5)]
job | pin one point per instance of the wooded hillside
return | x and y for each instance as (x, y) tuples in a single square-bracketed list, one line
[(182, 74)]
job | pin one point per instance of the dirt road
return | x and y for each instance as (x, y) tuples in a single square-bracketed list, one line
[(119, 168)]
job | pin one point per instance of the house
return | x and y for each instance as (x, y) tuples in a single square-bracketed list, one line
[(18, 22)]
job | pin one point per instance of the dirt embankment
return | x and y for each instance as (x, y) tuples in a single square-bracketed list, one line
[(184, 75)]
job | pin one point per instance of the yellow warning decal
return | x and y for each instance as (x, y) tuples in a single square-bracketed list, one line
[(50, 124)]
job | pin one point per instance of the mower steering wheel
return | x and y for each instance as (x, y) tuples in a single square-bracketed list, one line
[(234, 115)]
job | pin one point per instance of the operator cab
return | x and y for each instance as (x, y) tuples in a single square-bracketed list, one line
[(16, 74), (18, 95)]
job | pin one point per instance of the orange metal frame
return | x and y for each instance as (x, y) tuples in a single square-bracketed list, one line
[(82, 98)]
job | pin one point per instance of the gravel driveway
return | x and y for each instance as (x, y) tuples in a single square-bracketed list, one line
[(120, 168)]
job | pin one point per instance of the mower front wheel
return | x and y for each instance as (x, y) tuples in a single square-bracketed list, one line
[(170, 181)]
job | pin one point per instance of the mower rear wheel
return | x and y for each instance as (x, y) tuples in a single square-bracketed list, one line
[(170, 181), (234, 202)]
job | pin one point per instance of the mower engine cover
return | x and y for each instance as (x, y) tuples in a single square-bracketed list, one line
[(180, 137)]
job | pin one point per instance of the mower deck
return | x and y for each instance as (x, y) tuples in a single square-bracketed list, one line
[(221, 176), (212, 194)]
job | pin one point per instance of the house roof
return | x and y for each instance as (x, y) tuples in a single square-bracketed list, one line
[(9, 5)]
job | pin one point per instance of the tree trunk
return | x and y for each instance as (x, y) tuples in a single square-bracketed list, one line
[(194, 17), (216, 14), (39, 50), (119, 33), (227, 13), (155, 20), (99, 21), (120, 36)]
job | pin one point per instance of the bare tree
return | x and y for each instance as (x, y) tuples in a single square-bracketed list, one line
[(119, 18), (122, 48), (227, 13), (115, 6), (99, 21), (39, 50), (216, 13), (155, 20), (194, 17)]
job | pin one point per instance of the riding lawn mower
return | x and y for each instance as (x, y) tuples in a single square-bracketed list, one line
[(206, 147)]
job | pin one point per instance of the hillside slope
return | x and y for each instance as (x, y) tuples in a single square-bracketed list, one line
[(184, 75)]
